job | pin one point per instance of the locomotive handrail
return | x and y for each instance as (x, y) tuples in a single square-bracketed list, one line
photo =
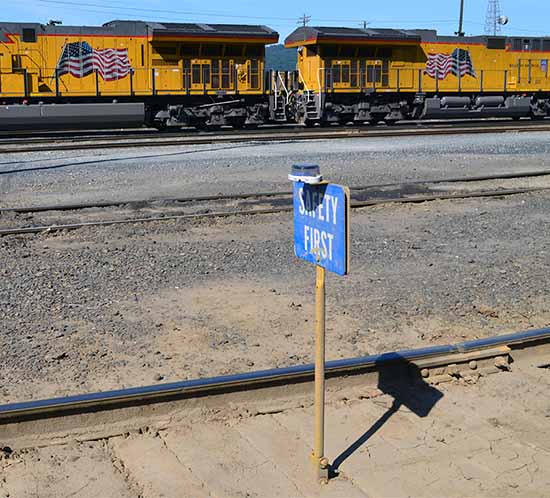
[(306, 88), (287, 98)]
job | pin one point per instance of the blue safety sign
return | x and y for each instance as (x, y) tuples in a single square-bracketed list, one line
[(321, 225)]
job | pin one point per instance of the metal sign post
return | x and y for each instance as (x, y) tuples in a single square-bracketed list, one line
[(319, 461), (321, 236)]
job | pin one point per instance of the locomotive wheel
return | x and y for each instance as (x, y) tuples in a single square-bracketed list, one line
[(238, 124), (160, 125)]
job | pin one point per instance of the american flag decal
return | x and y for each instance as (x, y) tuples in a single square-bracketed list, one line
[(80, 59), (459, 62)]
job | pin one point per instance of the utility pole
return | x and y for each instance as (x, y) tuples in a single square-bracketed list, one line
[(493, 18), (304, 20), (365, 24), (460, 31)]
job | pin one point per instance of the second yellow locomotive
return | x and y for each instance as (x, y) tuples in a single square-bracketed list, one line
[(348, 74)]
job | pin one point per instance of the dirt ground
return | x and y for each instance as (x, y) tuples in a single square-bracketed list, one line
[(113, 307)]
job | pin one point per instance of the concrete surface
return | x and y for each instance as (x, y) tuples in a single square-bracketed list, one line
[(485, 439)]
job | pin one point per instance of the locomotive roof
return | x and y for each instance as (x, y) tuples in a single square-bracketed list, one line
[(259, 33), (311, 35), (316, 34), (212, 29)]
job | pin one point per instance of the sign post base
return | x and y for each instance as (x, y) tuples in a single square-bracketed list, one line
[(321, 469)]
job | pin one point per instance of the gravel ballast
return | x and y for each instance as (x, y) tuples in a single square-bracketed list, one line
[(64, 177), (102, 308)]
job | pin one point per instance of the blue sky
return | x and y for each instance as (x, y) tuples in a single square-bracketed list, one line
[(527, 17)]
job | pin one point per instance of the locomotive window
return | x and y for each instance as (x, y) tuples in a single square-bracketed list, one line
[(186, 74), (496, 43), (312, 51), (546, 45), (385, 72), (29, 35), (196, 74), (336, 74), (526, 44), (363, 74), (206, 74), (374, 73), (254, 76), (384, 53), (516, 44), (345, 73), (225, 74), (215, 73), (535, 45), (354, 75)]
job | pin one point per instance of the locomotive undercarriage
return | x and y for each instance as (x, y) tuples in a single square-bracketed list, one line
[(238, 113), (308, 108), (312, 108)]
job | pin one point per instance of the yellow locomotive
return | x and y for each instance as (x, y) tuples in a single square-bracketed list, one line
[(169, 73), (359, 75)]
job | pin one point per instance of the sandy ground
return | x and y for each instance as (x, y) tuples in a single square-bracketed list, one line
[(487, 439)]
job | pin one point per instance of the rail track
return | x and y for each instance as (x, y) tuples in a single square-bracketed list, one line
[(155, 139), (44, 219), (111, 412)]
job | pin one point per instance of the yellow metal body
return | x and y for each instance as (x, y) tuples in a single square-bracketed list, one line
[(173, 66), (399, 66)]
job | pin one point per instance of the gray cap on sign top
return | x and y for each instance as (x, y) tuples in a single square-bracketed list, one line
[(307, 173)]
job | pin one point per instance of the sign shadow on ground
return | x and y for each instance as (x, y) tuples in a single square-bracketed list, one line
[(402, 380)]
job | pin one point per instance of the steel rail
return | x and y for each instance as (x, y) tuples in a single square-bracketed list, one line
[(38, 136), (144, 135), (250, 212), (97, 401), (295, 135), (251, 195)]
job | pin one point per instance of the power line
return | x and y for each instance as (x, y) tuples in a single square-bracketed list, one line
[(303, 20), (229, 15), (164, 11), (286, 22)]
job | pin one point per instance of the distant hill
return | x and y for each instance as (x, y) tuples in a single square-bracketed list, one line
[(279, 58)]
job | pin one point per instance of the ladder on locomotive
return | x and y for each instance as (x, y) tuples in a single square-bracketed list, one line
[(281, 96)]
